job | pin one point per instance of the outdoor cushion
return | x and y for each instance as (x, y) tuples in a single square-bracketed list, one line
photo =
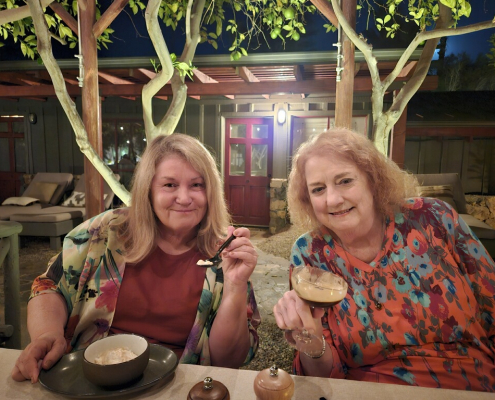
[(7, 211), (78, 199), (62, 179), (441, 192), (43, 191), (19, 201), (56, 217)]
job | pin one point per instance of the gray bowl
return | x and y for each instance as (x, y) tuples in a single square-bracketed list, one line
[(121, 373)]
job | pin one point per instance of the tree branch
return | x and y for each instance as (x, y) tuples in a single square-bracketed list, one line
[(45, 51), (179, 89), (444, 21), (162, 77)]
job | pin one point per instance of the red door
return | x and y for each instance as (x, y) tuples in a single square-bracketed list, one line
[(248, 162), (12, 156)]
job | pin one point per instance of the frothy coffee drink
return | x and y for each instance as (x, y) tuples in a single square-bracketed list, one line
[(317, 287)]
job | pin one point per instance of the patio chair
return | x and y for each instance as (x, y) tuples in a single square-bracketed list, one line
[(55, 222), (45, 190)]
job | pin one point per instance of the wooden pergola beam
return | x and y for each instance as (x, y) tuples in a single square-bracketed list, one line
[(361, 84), (15, 14), (108, 16), (203, 78), (69, 20), (326, 9)]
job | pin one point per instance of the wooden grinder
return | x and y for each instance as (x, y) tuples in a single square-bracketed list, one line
[(273, 384), (209, 389)]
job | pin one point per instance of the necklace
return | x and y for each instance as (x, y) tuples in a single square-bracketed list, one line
[(376, 302)]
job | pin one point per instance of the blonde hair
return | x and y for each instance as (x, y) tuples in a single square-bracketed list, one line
[(140, 229), (389, 184)]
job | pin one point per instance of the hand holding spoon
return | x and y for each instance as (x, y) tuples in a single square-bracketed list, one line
[(216, 259)]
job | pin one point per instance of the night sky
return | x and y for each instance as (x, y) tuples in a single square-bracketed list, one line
[(131, 39)]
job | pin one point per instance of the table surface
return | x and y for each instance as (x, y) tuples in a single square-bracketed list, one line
[(240, 386)]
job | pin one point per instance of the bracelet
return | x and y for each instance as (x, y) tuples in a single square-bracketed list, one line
[(322, 350)]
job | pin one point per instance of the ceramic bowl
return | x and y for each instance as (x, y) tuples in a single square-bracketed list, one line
[(120, 373)]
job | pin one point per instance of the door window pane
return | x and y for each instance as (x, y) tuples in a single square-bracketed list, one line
[(237, 159), (20, 155), (4, 155), (4, 127), (303, 128), (259, 157), (237, 131), (18, 127), (260, 131)]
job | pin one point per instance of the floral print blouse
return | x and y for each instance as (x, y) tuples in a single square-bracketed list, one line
[(421, 313), (88, 274)]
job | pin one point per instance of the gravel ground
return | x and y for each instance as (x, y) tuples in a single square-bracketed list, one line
[(273, 347), (281, 243)]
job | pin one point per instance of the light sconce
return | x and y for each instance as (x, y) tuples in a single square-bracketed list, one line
[(281, 115), (32, 118)]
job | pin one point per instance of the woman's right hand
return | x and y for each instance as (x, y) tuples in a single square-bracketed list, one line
[(43, 352), (292, 313)]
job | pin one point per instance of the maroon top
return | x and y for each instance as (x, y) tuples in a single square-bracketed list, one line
[(159, 298)]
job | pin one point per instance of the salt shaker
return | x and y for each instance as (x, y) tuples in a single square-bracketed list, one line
[(273, 384), (209, 389)]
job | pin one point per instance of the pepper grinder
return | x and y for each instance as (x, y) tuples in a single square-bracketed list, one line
[(273, 384), (209, 389)]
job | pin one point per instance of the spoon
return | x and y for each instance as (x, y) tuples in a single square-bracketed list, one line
[(216, 259)]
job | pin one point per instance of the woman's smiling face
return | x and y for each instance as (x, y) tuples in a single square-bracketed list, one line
[(178, 195), (340, 195)]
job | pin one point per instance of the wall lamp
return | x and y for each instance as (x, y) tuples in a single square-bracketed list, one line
[(281, 115)]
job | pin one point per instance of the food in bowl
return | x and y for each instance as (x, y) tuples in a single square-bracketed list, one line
[(125, 370), (115, 356)]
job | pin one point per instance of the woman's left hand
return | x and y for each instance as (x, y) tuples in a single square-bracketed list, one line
[(239, 258)]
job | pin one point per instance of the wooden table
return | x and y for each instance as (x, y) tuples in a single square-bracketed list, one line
[(9, 256), (240, 385)]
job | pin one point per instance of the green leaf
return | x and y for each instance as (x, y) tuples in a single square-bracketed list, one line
[(448, 3), (214, 44), (213, 35), (380, 21), (243, 51), (387, 18), (287, 27)]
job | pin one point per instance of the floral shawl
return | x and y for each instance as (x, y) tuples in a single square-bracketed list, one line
[(89, 272), (422, 312)]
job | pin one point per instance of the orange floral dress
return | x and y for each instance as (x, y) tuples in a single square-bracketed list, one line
[(421, 313)]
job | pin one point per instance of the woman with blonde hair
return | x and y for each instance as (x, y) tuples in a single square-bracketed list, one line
[(420, 304), (134, 270)]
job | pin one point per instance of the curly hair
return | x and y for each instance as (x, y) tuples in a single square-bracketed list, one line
[(389, 184), (140, 230)]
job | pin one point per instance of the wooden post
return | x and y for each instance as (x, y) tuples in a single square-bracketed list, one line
[(91, 106), (345, 88), (398, 140), (9, 251)]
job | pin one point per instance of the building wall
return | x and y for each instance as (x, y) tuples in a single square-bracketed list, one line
[(473, 160)]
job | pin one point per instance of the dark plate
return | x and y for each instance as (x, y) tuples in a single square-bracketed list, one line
[(67, 377)]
